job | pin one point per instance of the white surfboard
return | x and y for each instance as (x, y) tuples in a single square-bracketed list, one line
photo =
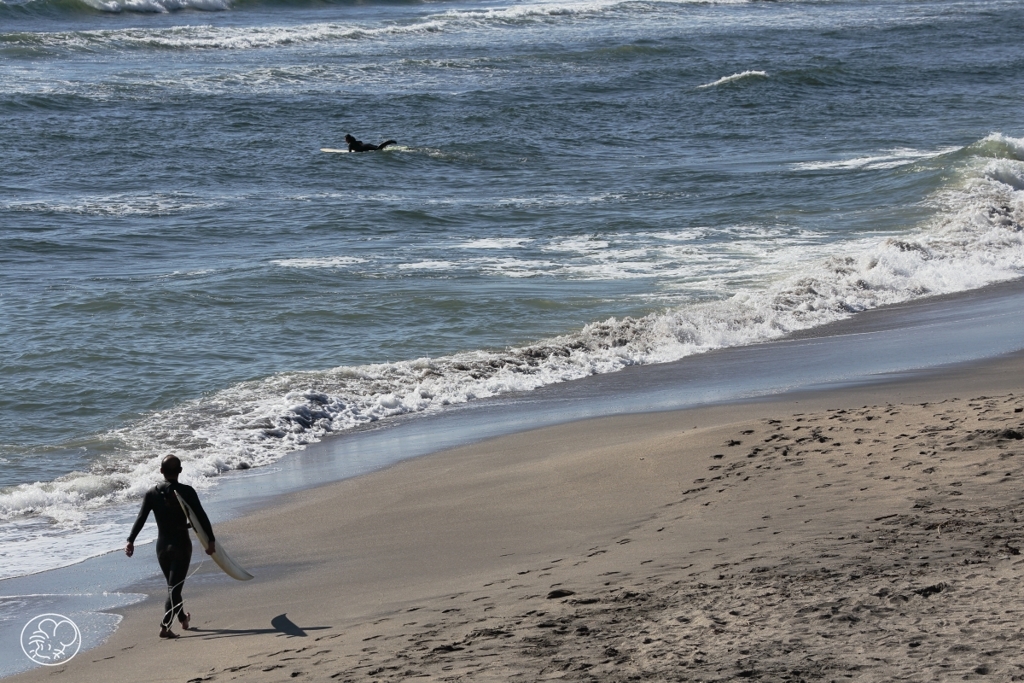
[(329, 150), (220, 556)]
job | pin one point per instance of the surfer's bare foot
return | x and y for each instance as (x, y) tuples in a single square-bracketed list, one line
[(167, 633), (184, 619)]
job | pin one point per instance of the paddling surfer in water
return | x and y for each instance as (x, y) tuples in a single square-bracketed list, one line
[(173, 545), (360, 146)]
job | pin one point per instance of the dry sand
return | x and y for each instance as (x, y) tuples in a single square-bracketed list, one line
[(867, 534)]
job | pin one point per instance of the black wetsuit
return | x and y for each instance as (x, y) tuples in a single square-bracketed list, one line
[(173, 545), (360, 146)]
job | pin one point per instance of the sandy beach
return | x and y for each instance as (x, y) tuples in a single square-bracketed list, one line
[(865, 533), (673, 341)]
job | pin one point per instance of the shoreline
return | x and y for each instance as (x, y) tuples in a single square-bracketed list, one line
[(860, 348), (642, 381), (451, 565)]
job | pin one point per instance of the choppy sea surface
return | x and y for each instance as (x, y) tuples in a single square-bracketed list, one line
[(577, 187)]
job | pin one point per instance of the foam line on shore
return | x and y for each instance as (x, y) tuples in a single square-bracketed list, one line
[(879, 347), (644, 515)]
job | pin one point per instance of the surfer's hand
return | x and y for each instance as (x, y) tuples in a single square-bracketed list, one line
[(129, 549), (212, 549)]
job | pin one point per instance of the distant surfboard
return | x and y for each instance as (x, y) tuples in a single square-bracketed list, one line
[(220, 556), (333, 151)]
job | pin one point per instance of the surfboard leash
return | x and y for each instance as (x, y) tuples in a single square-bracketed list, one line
[(170, 589)]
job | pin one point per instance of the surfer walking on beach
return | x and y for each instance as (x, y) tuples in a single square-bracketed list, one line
[(173, 545), (360, 146)]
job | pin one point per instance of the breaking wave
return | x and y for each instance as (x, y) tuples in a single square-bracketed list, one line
[(56, 8), (735, 77), (198, 37), (63, 7), (893, 158), (975, 237)]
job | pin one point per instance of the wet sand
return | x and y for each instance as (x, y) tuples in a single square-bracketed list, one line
[(866, 533)]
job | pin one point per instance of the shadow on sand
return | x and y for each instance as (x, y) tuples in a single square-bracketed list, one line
[(281, 625)]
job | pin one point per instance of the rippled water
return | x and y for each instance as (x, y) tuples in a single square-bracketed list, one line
[(578, 186)]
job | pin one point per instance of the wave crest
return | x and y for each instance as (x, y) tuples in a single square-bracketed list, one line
[(42, 8), (238, 38), (158, 6), (735, 77)]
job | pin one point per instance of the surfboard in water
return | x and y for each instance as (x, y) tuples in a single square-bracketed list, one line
[(330, 150), (220, 556)]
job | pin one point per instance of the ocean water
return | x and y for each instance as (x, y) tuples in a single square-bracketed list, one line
[(577, 187)]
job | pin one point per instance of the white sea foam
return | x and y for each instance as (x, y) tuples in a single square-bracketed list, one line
[(562, 8), (290, 36), (534, 10), (975, 237), (579, 244), (158, 6), (144, 6), (319, 262), (893, 158), (221, 37), (190, 273), (1007, 172), (428, 265), (1001, 145), (31, 546), (495, 243), (712, 256), (516, 202), (735, 77), (119, 205)]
